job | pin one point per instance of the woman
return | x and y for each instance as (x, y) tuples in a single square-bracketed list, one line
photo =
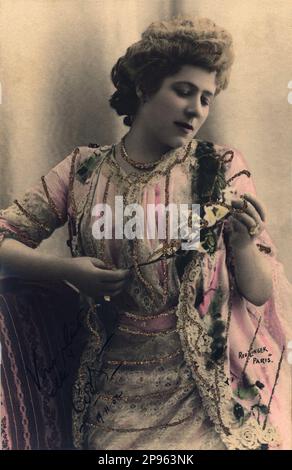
[(188, 353)]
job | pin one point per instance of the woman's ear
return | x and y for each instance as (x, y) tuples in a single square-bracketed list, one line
[(141, 95)]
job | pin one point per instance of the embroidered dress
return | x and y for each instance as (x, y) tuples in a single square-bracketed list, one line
[(154, 373)]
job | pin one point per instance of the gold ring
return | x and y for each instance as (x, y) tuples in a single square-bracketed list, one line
[(254, 230)]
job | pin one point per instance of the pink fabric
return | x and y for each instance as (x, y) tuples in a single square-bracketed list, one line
[(160, 323), (244, 320)]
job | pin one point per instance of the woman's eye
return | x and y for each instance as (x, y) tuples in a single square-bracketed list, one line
[(205, 102), (183, 92)]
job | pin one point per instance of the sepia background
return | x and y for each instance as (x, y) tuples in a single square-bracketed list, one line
[(55, 63)]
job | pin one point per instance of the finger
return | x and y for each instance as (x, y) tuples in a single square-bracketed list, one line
[(255, 202), (111, 287), (98, 263), (250, 210), (111, 293), (246, 220), (117, 292), (113, 275), (237, 225)]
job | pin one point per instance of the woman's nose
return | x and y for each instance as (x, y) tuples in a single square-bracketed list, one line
[(194, 108)]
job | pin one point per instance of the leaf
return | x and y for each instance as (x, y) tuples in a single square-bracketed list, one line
[(238, 411), (221, 181), (217, 351), (87, 167), (264, 447), (246, 393), (216, 304), (264, 409), (217, 329), (259, 384)]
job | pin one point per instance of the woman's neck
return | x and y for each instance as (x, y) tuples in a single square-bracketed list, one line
[(142, 146)]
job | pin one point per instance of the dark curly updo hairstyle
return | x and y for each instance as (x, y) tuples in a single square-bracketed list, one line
[(164, 49)]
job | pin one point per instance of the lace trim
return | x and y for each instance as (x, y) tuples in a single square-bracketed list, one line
[(158, 426), (158, 360), (80, 392), (213, 385)]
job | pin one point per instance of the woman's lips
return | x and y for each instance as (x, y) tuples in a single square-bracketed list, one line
[(182, 128)]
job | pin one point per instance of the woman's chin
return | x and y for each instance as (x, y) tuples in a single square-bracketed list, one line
[(180, 141)]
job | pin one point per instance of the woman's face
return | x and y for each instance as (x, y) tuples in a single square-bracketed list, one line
[(175, 113)]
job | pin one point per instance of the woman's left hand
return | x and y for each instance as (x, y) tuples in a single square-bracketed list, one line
[(249, 224)]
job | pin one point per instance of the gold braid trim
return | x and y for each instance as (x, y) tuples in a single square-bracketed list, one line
[(31, 217), (242, 172), (104, 256), (158, 426), (130, 398), (158, 360), (135, 317), (125, 329), (50, 200), (71, 198)]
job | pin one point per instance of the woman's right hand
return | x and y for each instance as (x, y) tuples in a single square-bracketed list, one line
[(92, 278)]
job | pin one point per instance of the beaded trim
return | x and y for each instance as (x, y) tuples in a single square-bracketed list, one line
[(134, 163), (145, 178), (31, 217), (164, 261), (242, 172), (159, 360), (125, 329), (105, 258), (149, 317), (71, 199), (50, 200), (161, 394), (158, 426)]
